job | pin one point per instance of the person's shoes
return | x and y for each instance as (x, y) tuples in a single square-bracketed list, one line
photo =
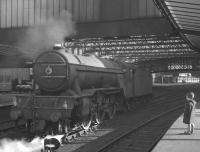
[(192, 128)]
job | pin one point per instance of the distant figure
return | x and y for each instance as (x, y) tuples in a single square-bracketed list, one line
[(189, 112)]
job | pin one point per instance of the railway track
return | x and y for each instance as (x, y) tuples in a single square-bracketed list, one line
[(73, 136), (142, 134), (152, 111), (148, 134), (7, 125), (145, 136), (118, 133)]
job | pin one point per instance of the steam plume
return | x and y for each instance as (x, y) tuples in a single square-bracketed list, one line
[(7, 145), (42, 37)]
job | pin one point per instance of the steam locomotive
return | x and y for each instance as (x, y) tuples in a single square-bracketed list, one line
[(72, 89)]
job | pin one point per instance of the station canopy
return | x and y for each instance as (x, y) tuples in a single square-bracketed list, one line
[(184, 15), (133, 49), (184, 42), (130, 49)]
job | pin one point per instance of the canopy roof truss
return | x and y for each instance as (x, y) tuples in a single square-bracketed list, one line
[(133, 49)]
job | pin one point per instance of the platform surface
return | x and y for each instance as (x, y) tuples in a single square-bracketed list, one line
[(176, 141)]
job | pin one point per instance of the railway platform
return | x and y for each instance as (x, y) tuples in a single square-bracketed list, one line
[(175, 140)]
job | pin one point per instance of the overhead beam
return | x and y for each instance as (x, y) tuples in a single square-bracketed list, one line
[(143, 44), (142, 26)]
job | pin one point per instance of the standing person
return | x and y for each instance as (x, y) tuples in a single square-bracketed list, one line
[(189, 112)]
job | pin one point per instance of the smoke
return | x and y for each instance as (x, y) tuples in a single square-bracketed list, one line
[(42, 37), (8, 145)]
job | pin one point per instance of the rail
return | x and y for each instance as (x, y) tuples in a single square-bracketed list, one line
[(103, 148)]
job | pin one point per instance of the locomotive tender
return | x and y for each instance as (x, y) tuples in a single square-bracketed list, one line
[(73, 90)]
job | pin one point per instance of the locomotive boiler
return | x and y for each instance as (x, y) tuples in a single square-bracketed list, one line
[(73, 90), (59, 71)]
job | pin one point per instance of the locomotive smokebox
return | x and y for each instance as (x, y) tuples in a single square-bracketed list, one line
[(51, 71)]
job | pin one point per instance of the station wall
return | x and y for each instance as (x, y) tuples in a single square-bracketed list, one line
[(86, 18), (22, 13)]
